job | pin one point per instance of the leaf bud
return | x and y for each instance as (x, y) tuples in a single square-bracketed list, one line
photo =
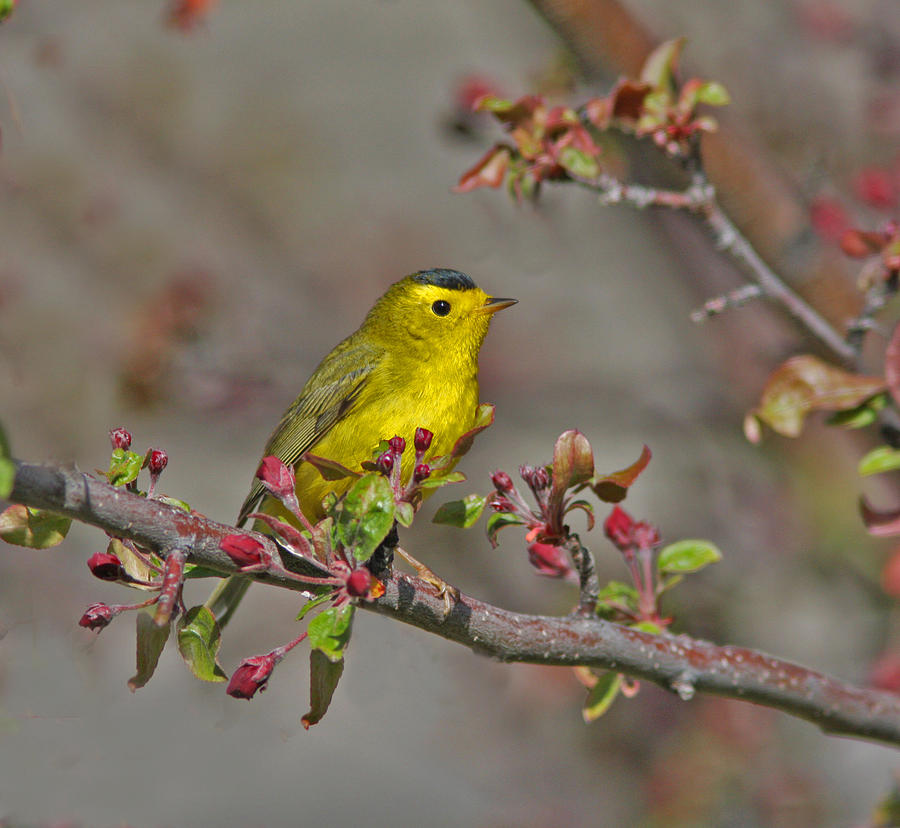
[(276, 476)]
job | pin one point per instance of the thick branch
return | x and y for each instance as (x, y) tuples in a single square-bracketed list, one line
[(678, 663)]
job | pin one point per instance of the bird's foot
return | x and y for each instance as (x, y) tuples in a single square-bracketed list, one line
[(448, 592)]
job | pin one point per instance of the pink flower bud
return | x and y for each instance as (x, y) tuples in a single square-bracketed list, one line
[(423, 440), (397, 444), (242, 549), (359, 582), (421, 472), (105, 566), (251, 675), (502, 482), (276, 476), (97, 616), (120, 439), (385, 462)]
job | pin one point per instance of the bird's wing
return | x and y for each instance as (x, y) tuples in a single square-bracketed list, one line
[(325, 400)]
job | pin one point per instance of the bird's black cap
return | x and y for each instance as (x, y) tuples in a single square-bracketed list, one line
[(442, 277)]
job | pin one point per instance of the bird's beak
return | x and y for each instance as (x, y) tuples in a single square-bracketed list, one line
[(494, 304)]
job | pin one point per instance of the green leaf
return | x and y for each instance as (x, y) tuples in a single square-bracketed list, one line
[(199, 637), (881, 459), (195, 571), (404, 513), (173, 501), (713, 93), (7, 476), (687, 556), (7, 467), (601, 696), (573, 464), (365, 515), (124, 467), (439, 478), (660, 66), (461, 513), (329, 469), (579, 163), (484, 418), (132, 564), (614, 596), (585, 507), (34, 528), (324, 675), (612, 488), (647, 627), (498, 521), (861, 416), (329, 631), (150, 643), (313, 603)]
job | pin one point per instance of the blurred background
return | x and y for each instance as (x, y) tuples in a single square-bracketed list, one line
[(192, 219)]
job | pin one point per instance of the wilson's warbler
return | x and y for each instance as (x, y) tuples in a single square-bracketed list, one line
[(413, 362)]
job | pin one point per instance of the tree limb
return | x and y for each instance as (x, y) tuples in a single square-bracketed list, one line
[(678, 663)]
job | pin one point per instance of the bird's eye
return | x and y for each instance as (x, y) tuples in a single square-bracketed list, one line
[(441, 308)]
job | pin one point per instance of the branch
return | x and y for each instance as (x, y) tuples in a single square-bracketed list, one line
[(678, 663)]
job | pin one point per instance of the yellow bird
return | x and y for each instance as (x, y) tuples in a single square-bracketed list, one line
[(413, 362)]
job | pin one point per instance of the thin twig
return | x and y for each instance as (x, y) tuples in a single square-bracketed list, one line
[(679, 663)]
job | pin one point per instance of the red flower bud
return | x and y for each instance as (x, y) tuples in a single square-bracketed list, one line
[(242, 549), (502, 481), (549, 560), (421, 472), (276, 476), (385, 462), (120, 439), (618, 527), (397, 444), (645, 536), (97, 616), (423, 440), (251, 675), (157, 460), (359, 582), (105, 566)]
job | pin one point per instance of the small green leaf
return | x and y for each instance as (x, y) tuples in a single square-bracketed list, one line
[(461, 513), (578, 163), (585, 507), (647, 627), (713, 94), (498, 521), (7, 476), (313, 603), (660, 66), (614, 597), (365, 515), (324, 675), (195, 571), (404, 513), (612, 488), (329, 631), (601, 696), (173, 501), (4, 444), (34, 528), (124, 467), (881, 459), (199, 637), (687, 556), (861, 416), (573, 462), (439, 479), (150, 643)]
